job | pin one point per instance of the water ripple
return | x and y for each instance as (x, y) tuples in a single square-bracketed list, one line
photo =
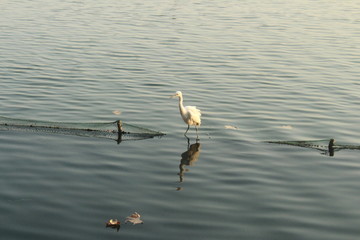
[(270, 70)]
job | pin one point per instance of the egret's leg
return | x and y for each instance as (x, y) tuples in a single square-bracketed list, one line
[(186, 130), (197, 132)]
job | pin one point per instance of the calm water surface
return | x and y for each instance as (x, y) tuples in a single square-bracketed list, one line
[(259, 70)]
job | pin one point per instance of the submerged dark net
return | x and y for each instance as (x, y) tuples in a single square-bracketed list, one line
[(100, 129), (319, 144)]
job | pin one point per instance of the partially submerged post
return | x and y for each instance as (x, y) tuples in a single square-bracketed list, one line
[(120, 131), (331, 147), (119, 125)]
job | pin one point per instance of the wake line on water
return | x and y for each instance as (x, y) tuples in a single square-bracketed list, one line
[(116, 130)]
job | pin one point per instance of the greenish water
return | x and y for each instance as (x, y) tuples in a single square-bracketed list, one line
[(259, 70)]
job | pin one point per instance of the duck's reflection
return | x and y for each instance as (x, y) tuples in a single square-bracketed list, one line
[(188, 158)]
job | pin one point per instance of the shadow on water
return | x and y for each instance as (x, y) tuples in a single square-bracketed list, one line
[(188, 158)]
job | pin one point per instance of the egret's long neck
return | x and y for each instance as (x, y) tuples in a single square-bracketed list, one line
[(181, 105)]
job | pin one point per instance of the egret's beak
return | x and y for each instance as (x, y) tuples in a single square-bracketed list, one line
[(172, 96)]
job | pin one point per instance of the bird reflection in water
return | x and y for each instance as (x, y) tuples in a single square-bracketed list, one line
[(188, 158)]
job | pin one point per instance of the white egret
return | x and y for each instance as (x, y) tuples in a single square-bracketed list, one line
[(190, 114)]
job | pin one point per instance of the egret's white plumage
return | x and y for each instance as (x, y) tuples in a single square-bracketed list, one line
[(190, 114)]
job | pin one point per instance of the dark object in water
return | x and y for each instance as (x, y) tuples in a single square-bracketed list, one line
[(331, 147), (113, 223), (116, 130)]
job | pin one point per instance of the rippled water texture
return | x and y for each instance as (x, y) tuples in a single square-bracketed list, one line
[(261, 71)]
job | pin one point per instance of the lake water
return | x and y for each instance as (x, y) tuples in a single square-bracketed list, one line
[(262, 70)]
